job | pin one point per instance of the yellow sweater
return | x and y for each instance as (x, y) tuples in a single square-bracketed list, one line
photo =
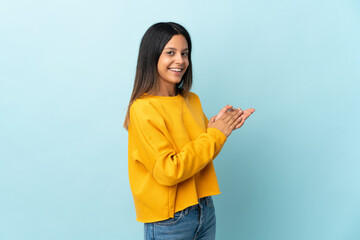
[(170, 155)]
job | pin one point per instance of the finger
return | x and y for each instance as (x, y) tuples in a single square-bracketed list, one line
[(228, 115), (225, 115), (244, 116), (211, 120), (242, 112), (251, 110), (223, 111), (233, 116), (236, 122), (248, 112), (240, 124)]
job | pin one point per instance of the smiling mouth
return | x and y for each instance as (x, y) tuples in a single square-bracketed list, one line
[(176, 69)]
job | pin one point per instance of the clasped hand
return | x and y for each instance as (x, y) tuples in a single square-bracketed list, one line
[(229, 119)]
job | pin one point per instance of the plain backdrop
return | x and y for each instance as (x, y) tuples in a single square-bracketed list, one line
[(66, 75)]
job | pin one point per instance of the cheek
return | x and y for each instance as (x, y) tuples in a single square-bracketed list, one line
[(187, 63), (162, 64)]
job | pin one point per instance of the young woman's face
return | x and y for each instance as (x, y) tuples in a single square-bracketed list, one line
[(173, 61)]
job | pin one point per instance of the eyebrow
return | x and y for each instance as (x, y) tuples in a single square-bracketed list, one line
[(186, 49)]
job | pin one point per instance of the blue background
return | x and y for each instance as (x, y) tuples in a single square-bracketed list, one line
[(66, 75)]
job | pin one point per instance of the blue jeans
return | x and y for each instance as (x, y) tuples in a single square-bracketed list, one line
[(195, 222)]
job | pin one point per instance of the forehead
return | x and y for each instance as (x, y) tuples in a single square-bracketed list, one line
[(178, 42)]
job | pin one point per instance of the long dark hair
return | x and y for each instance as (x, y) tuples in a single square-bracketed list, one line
[(151, 47)]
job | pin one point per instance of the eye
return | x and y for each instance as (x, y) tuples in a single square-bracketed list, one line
[(185, 54), (170, 52)]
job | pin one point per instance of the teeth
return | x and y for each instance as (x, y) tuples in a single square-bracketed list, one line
[(175, 69)]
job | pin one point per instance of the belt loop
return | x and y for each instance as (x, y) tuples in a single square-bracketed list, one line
[(206, 201), (186, 211)]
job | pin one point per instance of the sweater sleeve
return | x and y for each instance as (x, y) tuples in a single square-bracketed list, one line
[(152, 146)]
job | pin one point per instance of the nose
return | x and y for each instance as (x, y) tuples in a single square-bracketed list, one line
[(179, 59)]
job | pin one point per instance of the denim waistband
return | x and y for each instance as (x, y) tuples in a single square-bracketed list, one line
[(205, 201)]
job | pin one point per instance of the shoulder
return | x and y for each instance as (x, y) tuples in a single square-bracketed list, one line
[(146, 110), (193, 96), (193, 99), (145, 114), (141, 107), (139, 104)]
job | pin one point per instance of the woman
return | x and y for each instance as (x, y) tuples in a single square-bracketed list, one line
[(171, 142)]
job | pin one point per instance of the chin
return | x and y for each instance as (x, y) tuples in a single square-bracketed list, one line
[(175, 81)]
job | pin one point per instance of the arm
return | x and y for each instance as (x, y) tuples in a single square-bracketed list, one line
[(155, 150)]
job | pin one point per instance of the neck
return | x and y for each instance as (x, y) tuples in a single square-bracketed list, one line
[(166, 91)]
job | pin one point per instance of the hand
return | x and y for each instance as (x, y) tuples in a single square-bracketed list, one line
[(244, 116), (223, 111), (227, 122)]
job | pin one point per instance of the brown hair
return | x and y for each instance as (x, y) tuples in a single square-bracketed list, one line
[(151, 46)]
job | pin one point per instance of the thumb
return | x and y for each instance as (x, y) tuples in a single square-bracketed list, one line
[(223, 111)]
